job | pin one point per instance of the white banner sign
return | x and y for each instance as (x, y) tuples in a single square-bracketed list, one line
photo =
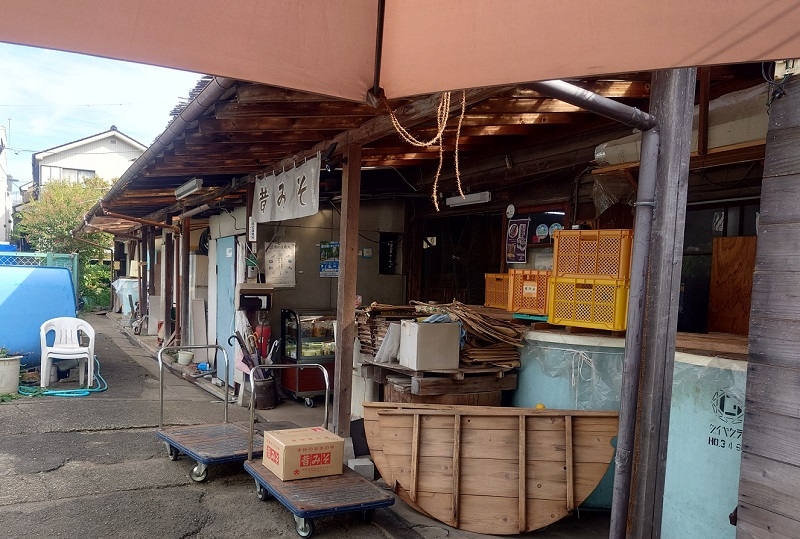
[(288, 195)]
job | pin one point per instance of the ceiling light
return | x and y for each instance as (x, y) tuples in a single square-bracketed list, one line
[(471, 198), (188, 188)]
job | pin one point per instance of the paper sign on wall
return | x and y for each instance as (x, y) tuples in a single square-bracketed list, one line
[(279, 265)]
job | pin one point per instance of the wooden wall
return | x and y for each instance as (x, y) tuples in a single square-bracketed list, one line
[(732, 263), (769, 497)]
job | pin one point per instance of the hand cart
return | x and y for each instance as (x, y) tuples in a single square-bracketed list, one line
[(206, 444), (316, 496)]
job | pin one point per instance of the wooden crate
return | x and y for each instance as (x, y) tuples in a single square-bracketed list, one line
[(496, 290), (601, 254), (527, 291)]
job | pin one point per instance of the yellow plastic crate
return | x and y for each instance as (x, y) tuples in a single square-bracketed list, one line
[(601, 254), (527, 291), (589, 303), (496, 290)]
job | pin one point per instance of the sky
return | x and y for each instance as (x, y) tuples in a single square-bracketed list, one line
[(49, 98)]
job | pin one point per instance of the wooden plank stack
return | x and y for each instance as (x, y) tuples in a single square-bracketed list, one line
[(372, 323), (489, 341)]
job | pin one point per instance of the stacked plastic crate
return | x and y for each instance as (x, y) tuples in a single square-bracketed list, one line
[(591, 279)]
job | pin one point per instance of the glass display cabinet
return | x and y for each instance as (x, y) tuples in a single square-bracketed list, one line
[(307, 337)]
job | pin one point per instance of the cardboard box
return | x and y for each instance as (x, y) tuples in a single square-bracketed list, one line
[(301, 453), (429, 346)]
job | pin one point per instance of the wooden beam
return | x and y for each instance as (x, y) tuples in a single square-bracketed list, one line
[(470, 384), (231, 110), (704, 96), (409, 115), (254, 137), (212, 125), (526, 119), (261, 93), (519, 105), (346, 290), (605, 88)]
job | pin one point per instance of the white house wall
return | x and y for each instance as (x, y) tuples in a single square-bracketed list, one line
[(104, 158)]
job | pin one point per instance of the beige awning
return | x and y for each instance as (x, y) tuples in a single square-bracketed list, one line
[(328, 47)]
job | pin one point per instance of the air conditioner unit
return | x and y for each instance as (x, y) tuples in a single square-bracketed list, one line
[(188, 188), (471, 198)]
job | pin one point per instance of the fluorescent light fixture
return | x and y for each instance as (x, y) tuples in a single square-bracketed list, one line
[(188, 188), (471, 198)]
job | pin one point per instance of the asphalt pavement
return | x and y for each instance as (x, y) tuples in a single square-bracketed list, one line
[(93, 467)]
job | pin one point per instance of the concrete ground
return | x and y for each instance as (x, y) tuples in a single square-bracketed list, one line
[(93, 467)]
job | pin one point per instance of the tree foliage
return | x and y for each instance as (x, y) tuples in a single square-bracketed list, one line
[(47, 223)]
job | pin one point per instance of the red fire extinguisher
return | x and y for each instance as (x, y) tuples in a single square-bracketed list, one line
[(262, 332)]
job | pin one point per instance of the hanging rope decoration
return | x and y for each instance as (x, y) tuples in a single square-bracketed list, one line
[(442, 115)]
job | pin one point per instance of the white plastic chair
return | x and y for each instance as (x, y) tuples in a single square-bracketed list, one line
[(67, 345)]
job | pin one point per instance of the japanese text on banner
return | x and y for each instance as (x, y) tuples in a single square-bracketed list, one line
[(289, 195)]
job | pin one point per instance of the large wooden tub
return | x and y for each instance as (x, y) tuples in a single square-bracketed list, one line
[(488, 469)]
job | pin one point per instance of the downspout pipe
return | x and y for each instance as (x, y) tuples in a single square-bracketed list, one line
[(633, 359), (640, 258), (209, 95)]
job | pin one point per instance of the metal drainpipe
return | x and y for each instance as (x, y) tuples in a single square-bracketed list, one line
[(632, 361), (639, 266)]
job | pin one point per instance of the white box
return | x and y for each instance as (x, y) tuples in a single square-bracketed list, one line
[(429, 346)]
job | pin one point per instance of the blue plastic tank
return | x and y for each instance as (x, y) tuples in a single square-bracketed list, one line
[(28, 297)]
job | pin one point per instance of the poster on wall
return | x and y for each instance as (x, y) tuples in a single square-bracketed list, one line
[(329, 259), (279, 265), (517, 241)]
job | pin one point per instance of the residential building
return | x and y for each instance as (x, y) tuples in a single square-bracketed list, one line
[(107, 155)]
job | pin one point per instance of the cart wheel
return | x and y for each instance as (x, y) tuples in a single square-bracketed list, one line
[(261, 492), (309, 402), (199, 473), (367, 515), (304, 526), (172, 452)]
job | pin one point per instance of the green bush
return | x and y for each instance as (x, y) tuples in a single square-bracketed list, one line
[(95, 287)]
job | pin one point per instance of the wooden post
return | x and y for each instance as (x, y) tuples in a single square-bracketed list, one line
[(671, 103), (770, 472), (176, 265), (346, 295), (142, 276), (169, 260), (151, 262), (184, 257)]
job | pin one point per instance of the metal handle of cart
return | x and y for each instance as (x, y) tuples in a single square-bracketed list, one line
[(161, 376), (253, 395)]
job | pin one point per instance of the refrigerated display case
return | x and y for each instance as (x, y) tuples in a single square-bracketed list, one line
[(307, 337)]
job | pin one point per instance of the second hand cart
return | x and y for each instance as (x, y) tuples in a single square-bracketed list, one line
[(216, 443), (314, 497)]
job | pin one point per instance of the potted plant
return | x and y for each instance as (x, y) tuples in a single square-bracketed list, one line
[(9, 372)]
